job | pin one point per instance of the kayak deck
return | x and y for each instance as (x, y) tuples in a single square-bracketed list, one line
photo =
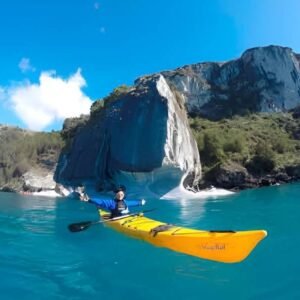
[(221, 246)]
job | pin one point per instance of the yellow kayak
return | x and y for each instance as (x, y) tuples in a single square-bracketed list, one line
[(221, 246)]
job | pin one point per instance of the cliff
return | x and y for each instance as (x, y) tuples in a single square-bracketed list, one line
[(142, 134), (263, 79)]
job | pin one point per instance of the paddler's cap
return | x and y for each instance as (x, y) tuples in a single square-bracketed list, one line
[(120, 188)]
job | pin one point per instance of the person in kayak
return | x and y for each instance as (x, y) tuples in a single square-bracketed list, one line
[(117, 206)]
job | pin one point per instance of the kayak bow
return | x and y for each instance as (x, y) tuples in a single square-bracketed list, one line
[(221, 246)]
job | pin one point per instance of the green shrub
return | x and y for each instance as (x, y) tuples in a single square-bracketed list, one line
[(212, 151), (234, 145), (279, 146), (261, 164), (100, 104), (264, 159), (116, 94), (97, 106)]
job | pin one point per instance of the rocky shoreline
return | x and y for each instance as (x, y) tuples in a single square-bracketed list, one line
[(232, 177), (235, 177)]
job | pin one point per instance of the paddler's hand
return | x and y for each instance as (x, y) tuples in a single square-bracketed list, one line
[(84, 197), (143, 202)]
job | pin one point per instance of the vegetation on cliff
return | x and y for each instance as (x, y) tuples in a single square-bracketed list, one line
[(261, 143), (119, 91), (22, 150)]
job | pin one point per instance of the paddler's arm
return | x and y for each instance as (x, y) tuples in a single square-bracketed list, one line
[(131, 203), (106, 204)]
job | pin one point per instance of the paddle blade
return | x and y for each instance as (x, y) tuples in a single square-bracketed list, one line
[(79, 226)]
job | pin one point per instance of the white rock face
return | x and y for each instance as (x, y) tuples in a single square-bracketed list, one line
[(38, 179), (180, 147), (193, 83)]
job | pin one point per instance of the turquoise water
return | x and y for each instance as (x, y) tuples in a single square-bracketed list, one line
[(41, 259)]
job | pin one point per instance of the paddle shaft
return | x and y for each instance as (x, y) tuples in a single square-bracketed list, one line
[(117, 218), (76, 227)]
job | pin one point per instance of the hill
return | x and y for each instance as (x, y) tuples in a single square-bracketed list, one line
[(24, 154)]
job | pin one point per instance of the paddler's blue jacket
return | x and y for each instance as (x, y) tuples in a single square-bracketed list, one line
[(111, 204)]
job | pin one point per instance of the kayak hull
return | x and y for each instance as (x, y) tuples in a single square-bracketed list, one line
[(221, 246)]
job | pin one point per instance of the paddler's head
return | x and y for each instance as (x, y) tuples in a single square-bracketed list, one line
[(120, 193)]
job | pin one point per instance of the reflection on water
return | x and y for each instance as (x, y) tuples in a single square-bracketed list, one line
[(192, 205), (181, 193), (191, 211)]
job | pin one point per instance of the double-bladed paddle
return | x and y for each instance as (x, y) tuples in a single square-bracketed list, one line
[(76, 227)]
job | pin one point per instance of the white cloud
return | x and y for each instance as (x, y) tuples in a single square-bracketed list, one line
[(2, 93), (52, 99), (25, 65)]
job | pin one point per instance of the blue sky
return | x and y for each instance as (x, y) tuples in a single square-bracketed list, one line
[(57, 57)]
